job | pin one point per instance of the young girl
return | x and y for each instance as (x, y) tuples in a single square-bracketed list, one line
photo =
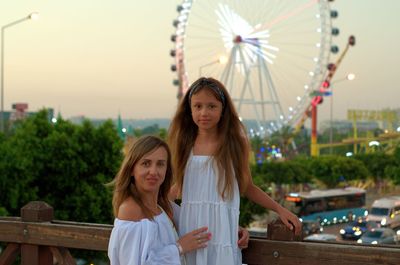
[(143, 230), (210, 153)]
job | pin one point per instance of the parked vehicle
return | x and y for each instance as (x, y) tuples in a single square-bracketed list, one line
[(357, 228), (381, 235), (386, 212), (258, 232), (311, 227), (321, 237)]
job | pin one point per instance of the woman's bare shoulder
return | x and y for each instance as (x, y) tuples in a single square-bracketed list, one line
[(129, 210)]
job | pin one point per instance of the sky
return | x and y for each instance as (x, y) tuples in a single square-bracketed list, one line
[(101, 58)]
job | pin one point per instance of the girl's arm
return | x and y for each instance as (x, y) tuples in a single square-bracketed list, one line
[(258, 196)]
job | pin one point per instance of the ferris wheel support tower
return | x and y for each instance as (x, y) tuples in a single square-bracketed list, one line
[(264, 81)]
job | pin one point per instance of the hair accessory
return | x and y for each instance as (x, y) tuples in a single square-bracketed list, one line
[(202, 82)]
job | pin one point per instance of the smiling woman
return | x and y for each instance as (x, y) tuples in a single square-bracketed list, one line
[(144, 230), (149, 173)]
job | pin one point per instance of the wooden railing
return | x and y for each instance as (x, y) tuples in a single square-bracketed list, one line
[(39, 239)]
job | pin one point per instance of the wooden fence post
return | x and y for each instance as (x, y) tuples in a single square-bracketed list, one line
[(36, 211), (277, 230)]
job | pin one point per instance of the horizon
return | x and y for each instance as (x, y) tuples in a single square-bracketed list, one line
[(101, 59)]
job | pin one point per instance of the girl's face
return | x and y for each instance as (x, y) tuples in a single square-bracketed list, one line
[(149, 172), (206, 109)]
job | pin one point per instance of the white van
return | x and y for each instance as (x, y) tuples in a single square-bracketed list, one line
[(386, 212)]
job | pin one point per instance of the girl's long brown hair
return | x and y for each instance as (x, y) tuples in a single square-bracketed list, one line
[(232, 154), (124, 185)]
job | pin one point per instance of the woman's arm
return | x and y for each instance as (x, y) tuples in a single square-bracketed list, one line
[(137, 243), (134, 243)]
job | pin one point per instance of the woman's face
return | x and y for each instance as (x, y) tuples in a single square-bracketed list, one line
[(149, 172), (206, 109)]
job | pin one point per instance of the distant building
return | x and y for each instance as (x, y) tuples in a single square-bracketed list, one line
[(345, 126), (19, 112), (77, 119)]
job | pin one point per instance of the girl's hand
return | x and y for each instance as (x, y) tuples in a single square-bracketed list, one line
[(244, 237), (290, 220), (194, 240)]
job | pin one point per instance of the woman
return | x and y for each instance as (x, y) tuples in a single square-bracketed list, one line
[(144, 231)]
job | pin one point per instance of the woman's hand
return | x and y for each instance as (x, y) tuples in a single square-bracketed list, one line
[(244, 237), (194, 240), (290, 220), (173, 193)]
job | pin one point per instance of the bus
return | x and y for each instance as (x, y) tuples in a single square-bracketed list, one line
[(328, 206)]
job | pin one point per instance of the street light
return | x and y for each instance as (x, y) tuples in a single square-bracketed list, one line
[(349, 77), (349, 154), (33, 15), (221, 60), (373, 143)]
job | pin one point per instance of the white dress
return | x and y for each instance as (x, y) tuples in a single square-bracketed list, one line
[(201, 206), (144, 242)]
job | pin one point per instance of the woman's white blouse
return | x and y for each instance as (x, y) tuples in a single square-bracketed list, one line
[(144, 242)]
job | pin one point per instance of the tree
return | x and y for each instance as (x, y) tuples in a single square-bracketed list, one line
[(334, 170), (248, 208), (63, 164), (392, 171), (377, 164)]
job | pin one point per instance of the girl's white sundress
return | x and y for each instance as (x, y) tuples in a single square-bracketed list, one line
[(201, 206)]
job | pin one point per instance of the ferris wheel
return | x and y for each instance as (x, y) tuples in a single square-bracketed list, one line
[(270, 54)]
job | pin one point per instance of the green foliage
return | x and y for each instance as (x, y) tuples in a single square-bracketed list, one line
[(377, 164), (151, 130), (248, 208), (63, 164), (392, 171), (287, 172), (332, 170), (3, 211), (272, 172)]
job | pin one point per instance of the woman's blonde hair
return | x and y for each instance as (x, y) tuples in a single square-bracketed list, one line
[(124, 182), (232, 154)]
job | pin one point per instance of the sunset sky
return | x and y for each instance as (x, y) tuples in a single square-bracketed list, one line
[(99, 58)]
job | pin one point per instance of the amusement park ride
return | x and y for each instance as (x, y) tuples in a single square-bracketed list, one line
[(278, 57), (318, 95)]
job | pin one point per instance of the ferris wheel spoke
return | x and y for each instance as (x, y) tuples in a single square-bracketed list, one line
[(290, 14), (277, 52)]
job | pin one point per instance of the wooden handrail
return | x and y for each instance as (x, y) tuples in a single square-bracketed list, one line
[(263, 252), (56, 233), (41, 241)]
